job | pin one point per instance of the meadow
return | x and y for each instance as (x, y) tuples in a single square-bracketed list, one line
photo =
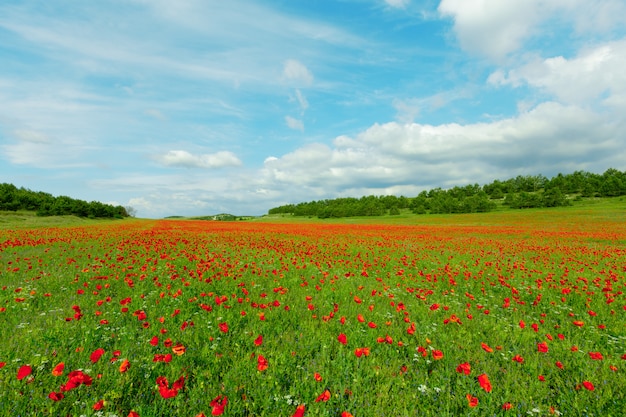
[(517, 313)]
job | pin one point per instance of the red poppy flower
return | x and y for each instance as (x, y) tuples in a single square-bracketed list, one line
[(471, 401), (133, 414), (99, 405), (542, 347), (324, 396), (588, 385), (125, 366), (96, 355), (346, 414), (258, 341), (218, 403), (486, 347), (56, 396), (484, 382), (223, 327), (317, 377), (507, 406), (179, 349), (437, 355), (24, 371), (262, 363), (518, 358), (464, 368), (596, 356), (342, 339), (58, 370), (299, 411), (154, 341)]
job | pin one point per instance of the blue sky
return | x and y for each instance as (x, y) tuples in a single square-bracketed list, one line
[(194, 107)]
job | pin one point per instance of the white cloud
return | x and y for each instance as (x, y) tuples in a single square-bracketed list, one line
[(297, 73), (491, 27), (496, 28), (294, 123), (596, 72), (179, 158), (548, 139), (302, 101), (398, 4)]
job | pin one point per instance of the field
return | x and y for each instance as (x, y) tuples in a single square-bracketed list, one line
[(511, 313)]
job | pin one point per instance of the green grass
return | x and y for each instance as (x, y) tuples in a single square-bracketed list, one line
[(553, 266)]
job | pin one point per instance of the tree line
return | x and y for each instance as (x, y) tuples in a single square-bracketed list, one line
[(44, 204), (529, 191)]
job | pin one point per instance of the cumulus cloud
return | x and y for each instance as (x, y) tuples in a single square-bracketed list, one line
[(550, 138), (596, 72), (495, 28), (184, 159), (491, 27), (297, 73)]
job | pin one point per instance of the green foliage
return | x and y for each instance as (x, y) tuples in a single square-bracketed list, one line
[(521, 192), (14, 199)]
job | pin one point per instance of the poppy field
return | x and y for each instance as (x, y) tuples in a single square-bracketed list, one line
[(199, 318)]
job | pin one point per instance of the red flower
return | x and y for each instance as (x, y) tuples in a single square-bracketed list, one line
[(58, 370), (342, 339), (299, 411), (125, 366), (464, 368), (324, 396), (96, 354), (371, 325), (154, 341), (258, 341), (588, 385), (471, 401), (133, 414), (437, 355), (99, 405), (486, 347), (56, 396), (365, 351), (218, 403), (542, 347), (346, 414), (24, 371), (317, 377), (507, 406), (484, 382), (596, 356), (223, 327), (262, 363), (518, 358)]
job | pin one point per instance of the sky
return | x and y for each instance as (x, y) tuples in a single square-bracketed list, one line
[(199, 107)]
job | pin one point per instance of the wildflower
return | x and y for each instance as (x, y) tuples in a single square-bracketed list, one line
[(99, 405), (342, 339), (588, 385), (96, 355), (507, 406), (218, 403), (518, 359), (24, 371), (484, 382), (56, 396), (542, 347), (125, 366), (223, 327), (299, 411), (437, 355), (596, 356), (464, 368), (486, 347), (471, 401), (58, 370), (258, 341), (325, 396), (262, 363), (317, 377)]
